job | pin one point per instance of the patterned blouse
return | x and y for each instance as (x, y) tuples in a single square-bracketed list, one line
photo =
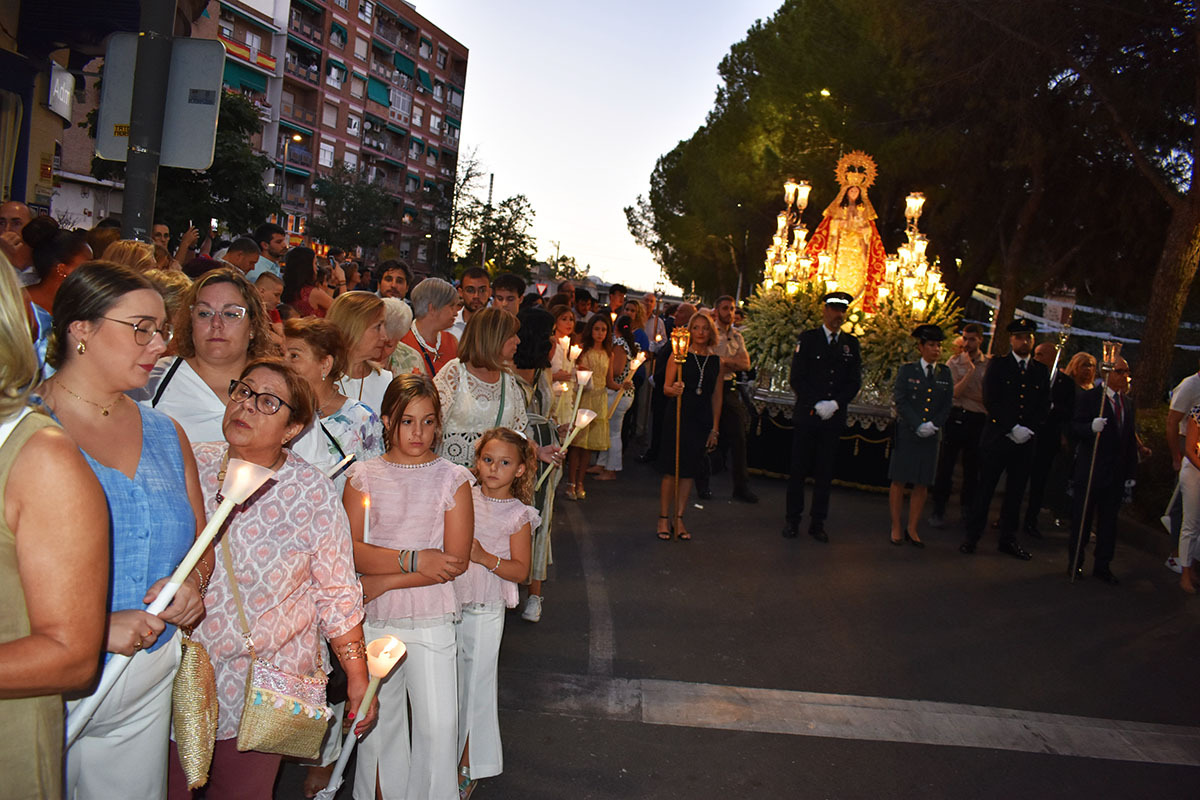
[(470, 407), (294, 561)]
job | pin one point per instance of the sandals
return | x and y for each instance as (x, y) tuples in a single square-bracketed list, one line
[(681, 534), (664, 535)]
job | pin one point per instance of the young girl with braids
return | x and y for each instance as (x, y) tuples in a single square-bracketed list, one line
[(418, 540), (506, 467)]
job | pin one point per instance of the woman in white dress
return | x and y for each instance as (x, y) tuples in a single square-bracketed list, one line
[(360, 317)]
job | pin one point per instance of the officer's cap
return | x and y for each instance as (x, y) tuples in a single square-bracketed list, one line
[(928, 333), (1022, 325), (841, 299)]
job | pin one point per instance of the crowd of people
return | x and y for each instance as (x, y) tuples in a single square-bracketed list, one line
[(406, 425)]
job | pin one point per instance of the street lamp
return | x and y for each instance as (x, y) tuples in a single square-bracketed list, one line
[(295, 137)]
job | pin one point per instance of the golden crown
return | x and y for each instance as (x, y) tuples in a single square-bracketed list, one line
[(856, 168)]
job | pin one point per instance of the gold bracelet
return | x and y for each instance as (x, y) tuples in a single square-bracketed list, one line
[(351, 651)]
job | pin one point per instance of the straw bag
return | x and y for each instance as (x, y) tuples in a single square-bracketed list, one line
[(283, 713), (194, 712)]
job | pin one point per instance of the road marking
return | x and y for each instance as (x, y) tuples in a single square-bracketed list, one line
[(601, 643), (738, 708)]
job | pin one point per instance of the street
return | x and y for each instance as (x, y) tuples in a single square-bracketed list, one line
[(743, 664)]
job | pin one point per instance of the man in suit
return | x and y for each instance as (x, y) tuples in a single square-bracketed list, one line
[(1048, 442), (826, 375), (1016, 394), (1114, 435)]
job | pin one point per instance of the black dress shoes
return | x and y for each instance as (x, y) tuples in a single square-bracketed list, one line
[(817, 531), (1106, 576), (746, 496), (967, 548), (1079, 573), (917, 543), (791, 530), (1013, 549)]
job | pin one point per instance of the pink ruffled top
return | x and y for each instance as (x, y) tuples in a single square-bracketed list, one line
[(495, 522), (408, 512)]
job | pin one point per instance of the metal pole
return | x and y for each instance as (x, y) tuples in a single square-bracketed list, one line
[(1087, 495), (150, 78)]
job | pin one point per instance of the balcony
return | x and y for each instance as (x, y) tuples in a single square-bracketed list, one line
[(389, 33), (402, 81), (296, 197), (298, 113), (298, 154), (309, 73), (454, 106), (382, 70), (299, 25), (398, 116)]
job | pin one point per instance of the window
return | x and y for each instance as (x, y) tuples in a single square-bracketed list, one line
[(456, 98), (365, 10), (326, 156), (441, 58), (401, 101), (414, 152), (412, 185), (334, 76), (418, 115), (439, 92), (358, 87), (425, 50), (253, 40), (329, 115), (422, 252), (226, 29), (360, 49), (341, 3), (337, 38), (435, 123), (351, 161), (353, 125), (405, 248)]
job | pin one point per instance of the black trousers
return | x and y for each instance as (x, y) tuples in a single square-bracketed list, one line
[(814, 448), (1049, 444), (1104, 505), (731, 443), (1014, 461), (658, 402), (959, 439)]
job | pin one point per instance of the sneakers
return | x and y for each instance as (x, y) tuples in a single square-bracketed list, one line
[(533, 609), (1174, 565)]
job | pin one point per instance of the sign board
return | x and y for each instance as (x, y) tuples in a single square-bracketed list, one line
[(189, 134), (62, 87)]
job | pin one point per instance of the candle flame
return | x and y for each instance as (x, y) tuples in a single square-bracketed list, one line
[(367, 502), (393, 642)]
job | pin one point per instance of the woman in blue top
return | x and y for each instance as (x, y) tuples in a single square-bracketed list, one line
[(110, 328)]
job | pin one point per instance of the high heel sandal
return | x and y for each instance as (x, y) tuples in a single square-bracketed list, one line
[(896, 542), (664, 535), (917, 543), (579, 492), (681, 534)]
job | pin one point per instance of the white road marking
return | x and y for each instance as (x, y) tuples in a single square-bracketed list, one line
[(601, 643)]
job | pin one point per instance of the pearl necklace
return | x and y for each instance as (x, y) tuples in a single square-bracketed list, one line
[(701, 366), (436, 349)]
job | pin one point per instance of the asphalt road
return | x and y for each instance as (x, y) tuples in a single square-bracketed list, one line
[(742, 664)]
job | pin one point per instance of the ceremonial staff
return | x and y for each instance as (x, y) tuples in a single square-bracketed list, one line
[(680, 339), (1110, 352), (1064, 333)]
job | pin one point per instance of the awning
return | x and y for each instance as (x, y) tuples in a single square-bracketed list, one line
[(374, 120), (336, 28), (406, 23), (396, 129), (454, 88), (393, 162), (387, 8), (244, 78), (333, 62), (433, 152), (375, 40), (405, 64), (378, 91), (452, 122), (426, 41), (296, 40), (430, 184), (417, 178), (423, 77), (310, 4), (418, 142), (360, 75), (293, 126), (303, 173)]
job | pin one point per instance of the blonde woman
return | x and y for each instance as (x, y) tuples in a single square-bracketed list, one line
[(131, 253), (361, 318), (52, 587)]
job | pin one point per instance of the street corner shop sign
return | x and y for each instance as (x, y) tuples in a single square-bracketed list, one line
[(189, 134)]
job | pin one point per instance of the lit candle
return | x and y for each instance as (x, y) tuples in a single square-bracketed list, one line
[(582, 378), (574, 352), (242, 479), (366, 518), (583, 418)]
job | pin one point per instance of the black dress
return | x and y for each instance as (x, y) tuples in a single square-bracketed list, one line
[(697, 418)]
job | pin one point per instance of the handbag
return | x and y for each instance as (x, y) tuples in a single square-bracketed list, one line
[(282, 713), (194, 711)]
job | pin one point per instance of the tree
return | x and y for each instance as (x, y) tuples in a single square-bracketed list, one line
[(353, 210), (566, 268), (500, 238), (463, 206)]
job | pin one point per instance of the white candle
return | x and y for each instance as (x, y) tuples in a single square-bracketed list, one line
[(583, 418), (366, 517)]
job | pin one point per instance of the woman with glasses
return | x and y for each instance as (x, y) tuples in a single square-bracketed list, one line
[(289, 551), (110, 327), (222, 326)]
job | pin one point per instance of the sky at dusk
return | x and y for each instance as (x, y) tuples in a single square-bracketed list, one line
[(571, 104)]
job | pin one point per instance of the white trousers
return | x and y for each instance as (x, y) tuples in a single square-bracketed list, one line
[(123, 751), (424, 767), (1189, 532), (479, 636), (610, 459)]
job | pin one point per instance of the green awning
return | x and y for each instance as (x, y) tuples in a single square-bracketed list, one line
[(241, 77), (360, 75), (293, 126), (303, 173), (430, 184), (423, 77), (378, 121), (433, 152), (296, 40), (426, 41), (406, 23), (393, 162), (381, 45), (378, 91), (333, 62), (336, 28), (405, 64), (387, 8), (310, 4), (418, 142), (452, 122), (416, 178), (456, 88), (396, 129)]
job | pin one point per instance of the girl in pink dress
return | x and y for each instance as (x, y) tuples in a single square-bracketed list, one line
[(505, 464), (413, 539)]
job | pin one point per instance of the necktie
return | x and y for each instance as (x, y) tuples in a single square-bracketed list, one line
[(1119, 408), (1022, 363), (832, 339), (929, 370)]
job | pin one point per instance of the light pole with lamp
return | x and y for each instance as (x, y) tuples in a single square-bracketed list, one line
[(295, 137)]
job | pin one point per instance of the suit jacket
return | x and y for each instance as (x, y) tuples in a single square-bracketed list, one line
[(920, 398), (1014, 398), (1116, 456), (824, 372)]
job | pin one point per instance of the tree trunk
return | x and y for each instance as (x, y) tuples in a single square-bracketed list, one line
[(1172, 281)]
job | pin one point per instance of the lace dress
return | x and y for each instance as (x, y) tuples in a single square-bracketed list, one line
[(595, 397), (471, 406)]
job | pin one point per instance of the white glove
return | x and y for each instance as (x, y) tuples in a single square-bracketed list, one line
[(926, 429), (1098, 424), (826, 408), (1020, 434)]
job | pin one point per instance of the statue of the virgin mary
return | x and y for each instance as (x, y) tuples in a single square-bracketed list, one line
[(848, 233)]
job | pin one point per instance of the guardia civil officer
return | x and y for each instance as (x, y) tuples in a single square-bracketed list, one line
[(1016, 395), (923, 397), (826, 375)]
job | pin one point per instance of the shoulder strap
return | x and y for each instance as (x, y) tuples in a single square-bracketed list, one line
[(503, 385), (237, 594), (162, 387), (332, 439)]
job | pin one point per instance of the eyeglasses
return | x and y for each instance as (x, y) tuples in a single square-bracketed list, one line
[(264, 402), (143, 335), (230, 314)]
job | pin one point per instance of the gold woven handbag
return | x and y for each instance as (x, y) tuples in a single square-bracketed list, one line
[(194, 711), (283, 712)]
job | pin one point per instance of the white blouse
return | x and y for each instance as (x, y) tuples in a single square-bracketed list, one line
[(187, 399), (470, 407)]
